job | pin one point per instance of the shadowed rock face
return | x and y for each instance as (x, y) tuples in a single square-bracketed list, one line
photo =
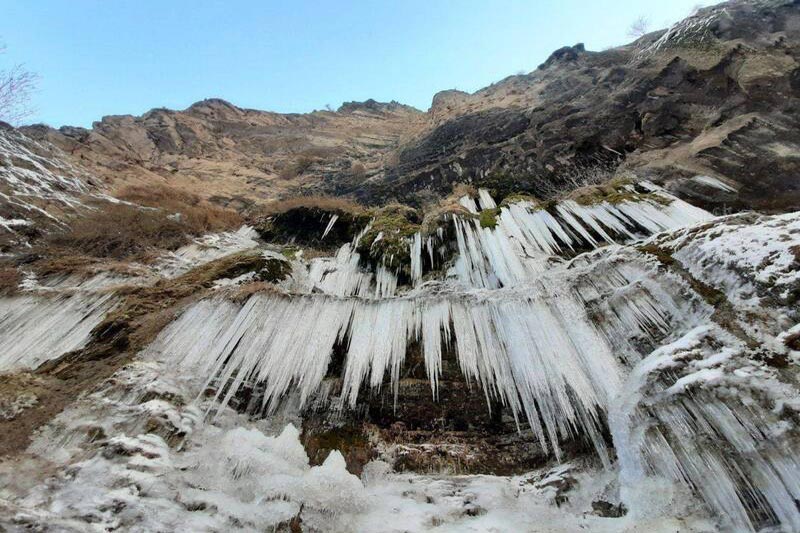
[(716, 94), (457, 432)]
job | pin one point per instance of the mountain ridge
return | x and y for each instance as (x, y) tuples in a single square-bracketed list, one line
[(662, 106)]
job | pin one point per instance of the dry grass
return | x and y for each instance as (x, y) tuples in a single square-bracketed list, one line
[(298, 168), (463, 189), (307, 158), (197, 214), (119, 232), (9, 280), (436, 215), (323, 203), (358, 170), (168, 219), (62, 263)]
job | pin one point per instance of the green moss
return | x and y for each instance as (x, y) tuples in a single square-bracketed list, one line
[(290, 252), (488, 217), (274, 270), (616, 192), (517, 197)]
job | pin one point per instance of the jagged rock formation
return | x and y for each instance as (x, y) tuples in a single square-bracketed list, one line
[(580, 328), (716, 95), (236, 156)]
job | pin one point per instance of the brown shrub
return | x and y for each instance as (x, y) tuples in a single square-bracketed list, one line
[(198, 215), (322, 152), (357, 170), (9, 280), (288, 172), (299, 167), (119, 231)]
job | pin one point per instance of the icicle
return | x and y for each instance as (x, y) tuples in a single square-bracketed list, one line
[(435, 322), (415, 250), (485, 199), (332, 221), (36, 329), (538, 354), (469, 204)]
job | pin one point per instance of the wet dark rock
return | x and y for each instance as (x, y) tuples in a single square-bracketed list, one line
[(608, 510)]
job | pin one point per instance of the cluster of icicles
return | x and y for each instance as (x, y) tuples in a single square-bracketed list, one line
[(522, 331), (531, 344), (537, 353), (36, 328), (515, 250)]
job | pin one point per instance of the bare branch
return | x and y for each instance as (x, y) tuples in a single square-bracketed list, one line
[(639, 27), (16, 86)]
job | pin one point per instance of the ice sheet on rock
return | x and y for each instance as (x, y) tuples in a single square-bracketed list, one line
[(233, 474), (162, 468), (35, 329), (701, 412), (103, 280), (205, 249), (743, 254), (35, 171)]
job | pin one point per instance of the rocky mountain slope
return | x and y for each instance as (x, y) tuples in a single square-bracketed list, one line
[(566, 302), (714, 95)]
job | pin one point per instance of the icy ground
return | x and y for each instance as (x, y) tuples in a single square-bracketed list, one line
[(141, 457)]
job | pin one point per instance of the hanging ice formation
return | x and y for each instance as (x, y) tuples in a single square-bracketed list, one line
[(556, 340), (37, 328), (532, 345), (523, 241)]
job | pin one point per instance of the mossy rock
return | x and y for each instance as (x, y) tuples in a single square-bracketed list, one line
[(616, 191), (397, 224), (517, 197)]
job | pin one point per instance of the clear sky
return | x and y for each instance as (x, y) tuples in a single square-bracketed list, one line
[(102, 57)]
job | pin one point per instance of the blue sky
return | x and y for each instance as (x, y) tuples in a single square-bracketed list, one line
[(101, 57)]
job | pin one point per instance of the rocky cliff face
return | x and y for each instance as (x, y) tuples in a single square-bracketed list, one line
[(715, 95), (566, 323), (238, 157)]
